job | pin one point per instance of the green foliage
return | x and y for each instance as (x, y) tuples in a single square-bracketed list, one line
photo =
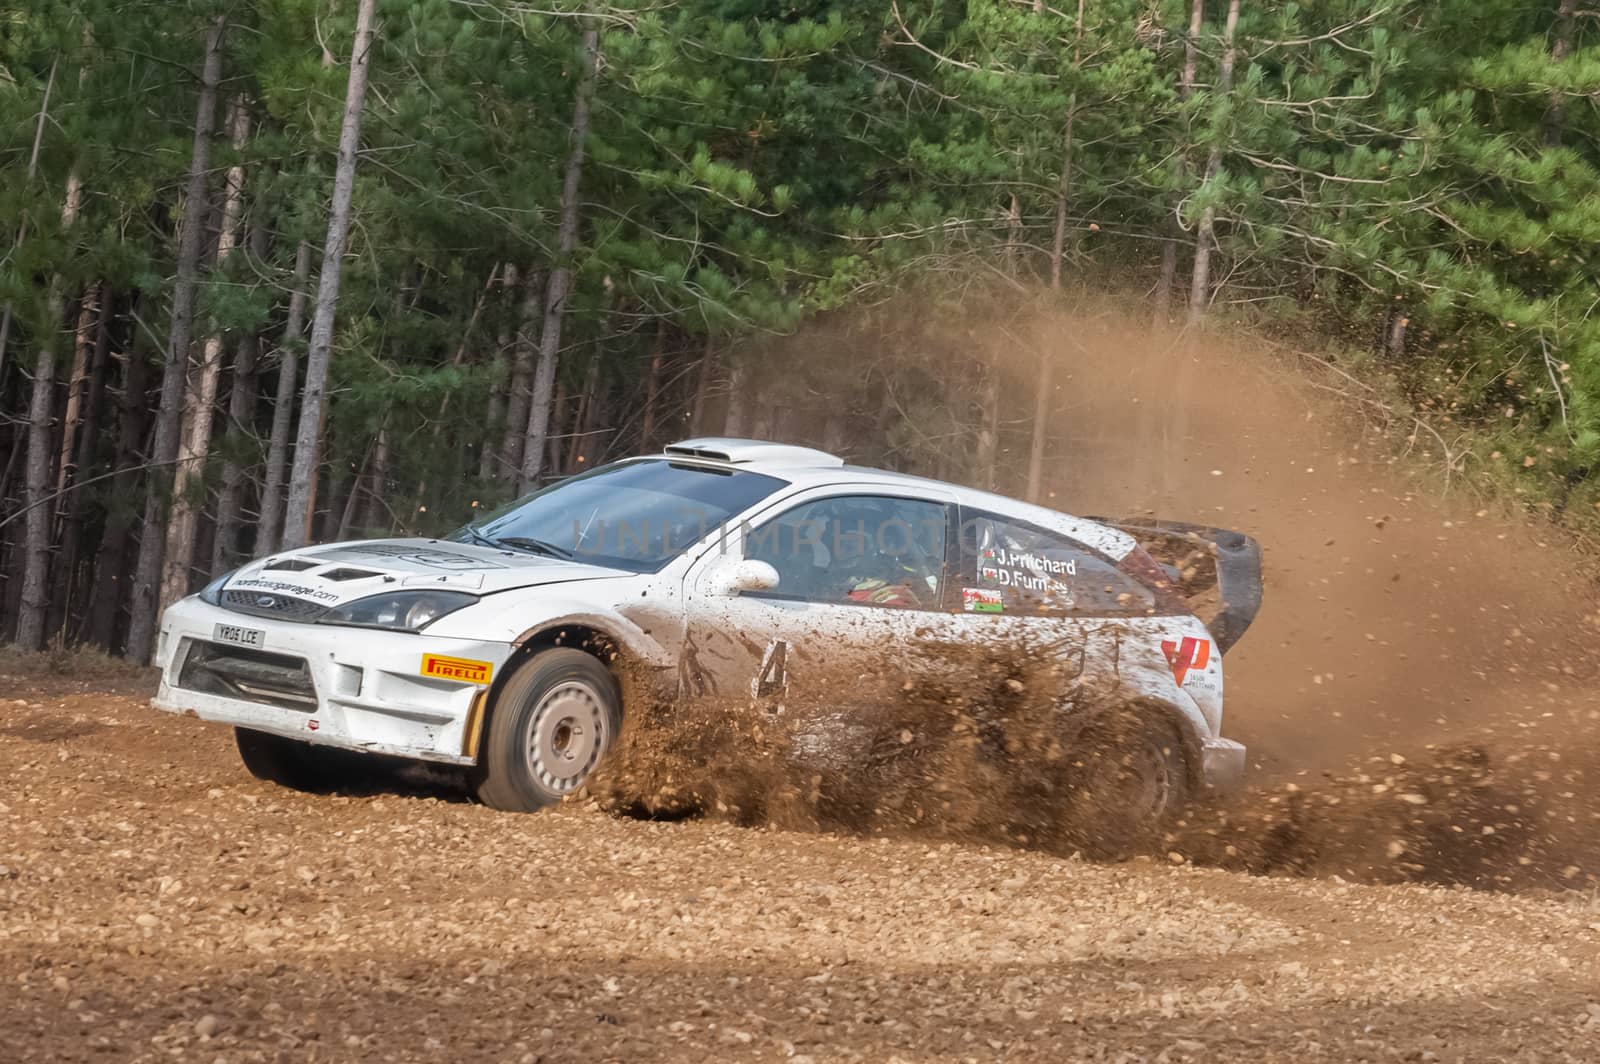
[(1423, 175)]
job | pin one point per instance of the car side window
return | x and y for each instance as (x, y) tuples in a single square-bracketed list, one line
[(868, 550), (1020, 569)]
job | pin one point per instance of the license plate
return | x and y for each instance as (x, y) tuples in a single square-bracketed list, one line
[(243, 637)]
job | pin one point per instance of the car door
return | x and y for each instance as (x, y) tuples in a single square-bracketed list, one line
[(863, 579)]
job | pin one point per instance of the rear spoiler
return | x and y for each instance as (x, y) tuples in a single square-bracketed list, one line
[(1238, 570)]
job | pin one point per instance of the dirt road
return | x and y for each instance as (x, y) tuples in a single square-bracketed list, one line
[(156, 903)]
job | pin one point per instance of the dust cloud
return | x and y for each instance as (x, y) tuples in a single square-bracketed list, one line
[(1416, 692), (1400, 608)]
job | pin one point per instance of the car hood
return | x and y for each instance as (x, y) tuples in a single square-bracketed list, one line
[(334, 573)]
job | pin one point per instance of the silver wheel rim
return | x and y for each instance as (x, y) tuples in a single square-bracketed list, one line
[(567, 735), (1154, 779), (1139, 783)]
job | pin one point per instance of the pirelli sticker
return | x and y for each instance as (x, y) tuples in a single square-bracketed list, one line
[(464, 670)]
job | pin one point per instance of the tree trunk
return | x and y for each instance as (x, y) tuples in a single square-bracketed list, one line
[(764, 426), (555, 297), (169, 415), (36, 488), (601, 430), (1200, 280), (574, 433), (352, 502), (1162, 311), (188, 480), (1013, 235), (1169, 250), (494, 411), (702, 387), (270, 533), (1191, 48), (524, 350), (734, 423), (1555, 116), (1058, 248), (225, 551), (10, 554), (652, 387), (835, 430), (71, 504), (583, 421), (66, 526), (1394, 342), (308, 439), (499, 388), (34, 603), (1046, 384), (376, 513), (110, 568), (989, 430), (239, 432), (77, 382), (339, 485), (558, 424)]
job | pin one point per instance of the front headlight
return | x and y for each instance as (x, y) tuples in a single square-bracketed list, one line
[(402, 611), (211, 594)]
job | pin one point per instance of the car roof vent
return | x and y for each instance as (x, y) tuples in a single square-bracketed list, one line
[(747, 452), (347, 573), (290, 565)]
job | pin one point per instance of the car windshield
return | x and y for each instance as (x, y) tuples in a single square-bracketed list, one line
[(632, 515)]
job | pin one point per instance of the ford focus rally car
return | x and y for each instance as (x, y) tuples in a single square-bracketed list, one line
[(715, 567)]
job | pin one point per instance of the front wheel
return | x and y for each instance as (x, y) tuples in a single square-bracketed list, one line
[(1130, 782), (551, 724)]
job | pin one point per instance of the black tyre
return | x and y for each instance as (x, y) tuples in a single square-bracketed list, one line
[(549, 727), (291, 763), (1129, 782)]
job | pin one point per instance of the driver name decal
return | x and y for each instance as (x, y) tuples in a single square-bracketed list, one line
[(998, 566), (1190, 654), (464, 670)]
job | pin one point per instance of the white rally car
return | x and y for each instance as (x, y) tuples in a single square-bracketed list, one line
[(713, 568)]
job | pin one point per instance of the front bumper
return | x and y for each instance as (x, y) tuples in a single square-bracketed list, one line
[(1222, 763), (360, 689)]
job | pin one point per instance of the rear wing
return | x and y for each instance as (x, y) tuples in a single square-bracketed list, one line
[(1213, 564)]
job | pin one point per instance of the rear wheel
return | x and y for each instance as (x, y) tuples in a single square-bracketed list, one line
[(1130, 782), (291, 763), (550, 726)]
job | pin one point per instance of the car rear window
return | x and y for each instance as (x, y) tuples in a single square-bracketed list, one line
[(1017, 568)]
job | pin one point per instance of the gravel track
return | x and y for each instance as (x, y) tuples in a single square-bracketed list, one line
[(156, 903)]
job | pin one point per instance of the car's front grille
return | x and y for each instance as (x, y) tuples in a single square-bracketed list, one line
[(251, 675), (271, 604)]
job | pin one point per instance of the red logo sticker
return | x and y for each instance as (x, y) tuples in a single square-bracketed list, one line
[(1192, 653), (312, 725)]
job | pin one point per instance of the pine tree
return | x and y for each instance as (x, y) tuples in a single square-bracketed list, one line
[(308, 438), (169, 415)]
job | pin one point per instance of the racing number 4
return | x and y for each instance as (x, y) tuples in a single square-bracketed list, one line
[(774, 676)]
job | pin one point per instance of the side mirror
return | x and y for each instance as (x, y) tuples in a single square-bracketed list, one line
[(740, 574)]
